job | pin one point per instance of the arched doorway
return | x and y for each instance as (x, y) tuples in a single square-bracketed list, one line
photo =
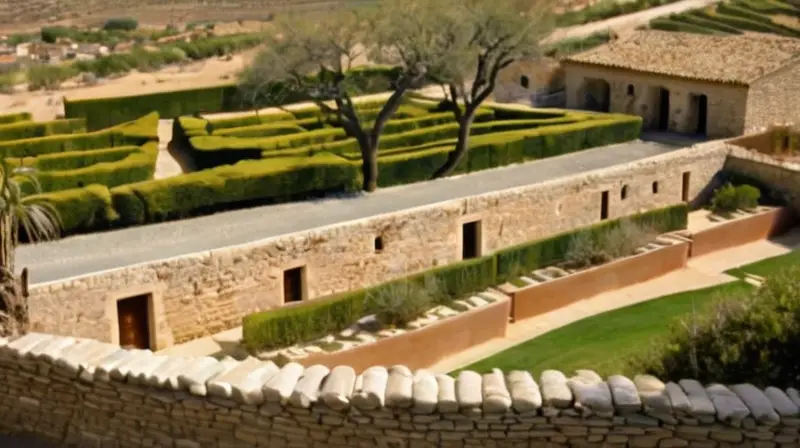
[(597, 95)]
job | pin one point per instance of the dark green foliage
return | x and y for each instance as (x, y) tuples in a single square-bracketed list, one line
[(80, 209), (750, 337), (553, 250), (31, 129), (104, 112), (728, 198), (51, 34), (303, 322), (121, 23), (674, 24), (15, 117), (573, 45)]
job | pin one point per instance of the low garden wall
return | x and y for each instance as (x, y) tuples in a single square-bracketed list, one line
[(423, 347), (544, 297), (742, 231), (87, 393)]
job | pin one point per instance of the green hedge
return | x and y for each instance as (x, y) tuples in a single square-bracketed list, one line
[(74, 159), (415, 164), (15, 117), (261, 130), (80, 210), (212, 151), (696, 20), (304, 322), (275, 180), (552, 250), (137, 166), (755, 20), (250, 120), (137, 133), (768, 7), (292, 324), (673, 24), (104, 112), (32, 129), (750, 24)]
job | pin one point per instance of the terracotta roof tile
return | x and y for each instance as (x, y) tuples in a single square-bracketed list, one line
[(739, 59)]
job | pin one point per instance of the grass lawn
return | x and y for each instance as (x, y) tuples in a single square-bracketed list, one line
[(767, 266), (606, 341)]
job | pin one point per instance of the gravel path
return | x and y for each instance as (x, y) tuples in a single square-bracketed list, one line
[(85, 254)]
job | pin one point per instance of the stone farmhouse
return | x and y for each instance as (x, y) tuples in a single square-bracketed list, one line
[(718, 86)]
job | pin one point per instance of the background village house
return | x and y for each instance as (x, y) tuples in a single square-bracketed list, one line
[(718, 86)]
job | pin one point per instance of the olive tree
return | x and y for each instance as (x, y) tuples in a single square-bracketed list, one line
[(491, 36), (39, 221), (313, 59)]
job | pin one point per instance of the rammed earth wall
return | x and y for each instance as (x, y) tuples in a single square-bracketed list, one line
[(87, 393), (204, 293)]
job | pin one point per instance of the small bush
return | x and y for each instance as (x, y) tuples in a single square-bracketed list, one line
[(402, 302), (728, 199), (47, 76), (121, 23), (747, 338), (609, 243), (584, 250)]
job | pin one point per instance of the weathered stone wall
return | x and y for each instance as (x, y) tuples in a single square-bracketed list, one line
[(201, 294), (784, 176), (727, 104), (86, 393), (770, 100)]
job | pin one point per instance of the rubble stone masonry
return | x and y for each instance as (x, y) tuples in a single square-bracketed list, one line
[(79, 392), (204, 293)]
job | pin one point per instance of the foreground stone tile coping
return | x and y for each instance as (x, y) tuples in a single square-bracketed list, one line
[(253, 382)]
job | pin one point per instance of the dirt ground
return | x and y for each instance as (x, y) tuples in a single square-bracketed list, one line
[(48, 105)]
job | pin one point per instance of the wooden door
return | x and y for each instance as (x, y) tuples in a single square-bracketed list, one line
[(134, 328)]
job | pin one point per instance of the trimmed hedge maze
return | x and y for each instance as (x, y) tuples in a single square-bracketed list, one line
[(77, 170), (104, 179), (101, 113), (736, 17)]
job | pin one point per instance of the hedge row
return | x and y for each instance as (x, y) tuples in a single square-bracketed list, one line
[(137, 166), (74, 159), (32, 129), (104, 112), (282, 179), (15, 117), (261, 130), (137, 133), (305, 322)]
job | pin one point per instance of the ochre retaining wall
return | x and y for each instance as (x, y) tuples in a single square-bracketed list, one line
[(538, 299), (424, 347), (87, 394), (742, 231), (222, 286)]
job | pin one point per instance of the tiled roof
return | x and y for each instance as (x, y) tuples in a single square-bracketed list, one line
[(738, 59)]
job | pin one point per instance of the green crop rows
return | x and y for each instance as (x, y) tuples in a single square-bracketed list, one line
[(736, 17)]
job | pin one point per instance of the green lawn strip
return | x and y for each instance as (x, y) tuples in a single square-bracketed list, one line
[(767, 266), (604, 342)]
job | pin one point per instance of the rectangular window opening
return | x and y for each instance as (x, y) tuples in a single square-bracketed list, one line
[(471, 240), (687, 178), (604, 205), (294, 284)]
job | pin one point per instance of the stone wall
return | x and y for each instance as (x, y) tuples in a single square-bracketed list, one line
[(727, 104), (205, 293), (86, 393), (768, 102), (784, 176)]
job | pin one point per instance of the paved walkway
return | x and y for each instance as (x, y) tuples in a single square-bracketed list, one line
[(701, 272), (166, 164), (85, 254), (626, 22)]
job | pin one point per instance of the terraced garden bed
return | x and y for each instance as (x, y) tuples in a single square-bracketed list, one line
[(736, 17)]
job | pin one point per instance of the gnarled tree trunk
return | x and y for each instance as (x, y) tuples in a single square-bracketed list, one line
[(455, 156)]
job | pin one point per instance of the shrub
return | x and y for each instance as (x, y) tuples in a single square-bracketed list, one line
[(674, 24), (51, 34), (553, 250), (121, 23), (261, 130), (47, 76), (136, 133), (15, 117), (80, 209), (608, 243), (31, 129), (105, 112), (747, 338), (728, 198), (401, 302), (250, 120), (75, 159), (307, 321)]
